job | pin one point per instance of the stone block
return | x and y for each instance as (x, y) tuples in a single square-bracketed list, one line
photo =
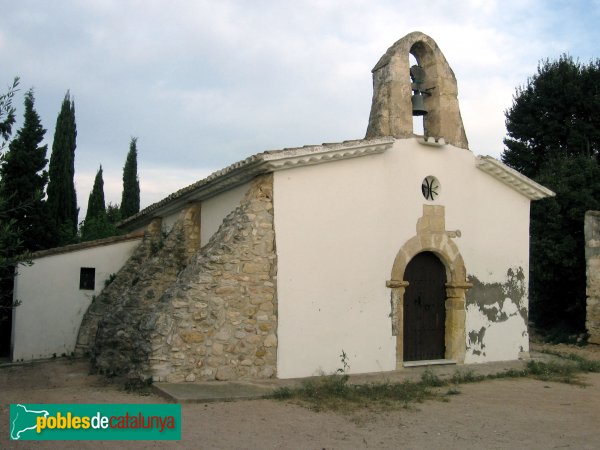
[(217, 349), (270, 341), (225, 373), (190, 378), (254, 267), (192, 337)]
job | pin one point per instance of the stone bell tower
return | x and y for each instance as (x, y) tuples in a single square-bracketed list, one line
[(391, 109)]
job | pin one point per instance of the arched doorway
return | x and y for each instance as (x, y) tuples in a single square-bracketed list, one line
[(432, 237), (424, 308)]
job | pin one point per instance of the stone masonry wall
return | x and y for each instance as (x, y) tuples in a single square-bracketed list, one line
[(219, 320), (176, 312), (115, 330), (592, 256), (110, 295)]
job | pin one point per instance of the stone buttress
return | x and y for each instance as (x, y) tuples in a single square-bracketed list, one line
[(176, 312)]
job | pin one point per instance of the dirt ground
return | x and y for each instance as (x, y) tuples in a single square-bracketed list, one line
[(501, 414)]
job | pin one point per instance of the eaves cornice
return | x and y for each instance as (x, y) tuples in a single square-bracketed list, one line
[(519, 182)]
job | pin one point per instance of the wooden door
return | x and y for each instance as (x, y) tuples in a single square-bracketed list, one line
[(424, 308)]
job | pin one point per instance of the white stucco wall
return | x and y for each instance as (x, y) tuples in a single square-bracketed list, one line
[(216, 208), (338, 228), (169, 220), (48, 319)]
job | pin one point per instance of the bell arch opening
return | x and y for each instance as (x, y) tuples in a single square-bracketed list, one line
[(417, 120), (422, 55), (391, 107)]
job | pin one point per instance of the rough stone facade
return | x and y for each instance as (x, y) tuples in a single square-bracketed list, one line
[(391, 109), (178, 313), (592, 256)]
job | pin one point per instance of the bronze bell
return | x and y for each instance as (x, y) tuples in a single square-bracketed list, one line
[(418, 105)]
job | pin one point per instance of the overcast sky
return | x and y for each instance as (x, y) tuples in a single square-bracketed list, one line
[(203, 84)]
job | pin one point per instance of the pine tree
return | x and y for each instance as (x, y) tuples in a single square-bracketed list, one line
[(130, 201), (62, 198), (24, 179), (97, 224)]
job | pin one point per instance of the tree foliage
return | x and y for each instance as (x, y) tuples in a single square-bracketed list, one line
[(130, 201), (7, 113), (11, 243), (113, 212), (554, 137), (558, 268), (97, 224), (96, 207), (555, 115), (23, 179), (62, 198)]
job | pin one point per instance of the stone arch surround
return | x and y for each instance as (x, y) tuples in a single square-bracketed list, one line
[(432, 237)]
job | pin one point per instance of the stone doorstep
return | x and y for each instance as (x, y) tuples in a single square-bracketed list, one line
[(430, 362)]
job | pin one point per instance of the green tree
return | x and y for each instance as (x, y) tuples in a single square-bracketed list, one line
[(130, 201), (11, 244), (554, 137), (10, 239), (557, 266), (23, 180), (62, 198), (113, 212), (97, 224), (7, 113), (554, 115), (96, 207)]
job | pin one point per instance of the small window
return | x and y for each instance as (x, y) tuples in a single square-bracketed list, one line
[(87, 278), (430, 187)]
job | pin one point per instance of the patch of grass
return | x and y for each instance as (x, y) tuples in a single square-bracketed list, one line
[(553, 371), (466, 376), (583, 364), (334, 393), (453, 391), (428, 378)]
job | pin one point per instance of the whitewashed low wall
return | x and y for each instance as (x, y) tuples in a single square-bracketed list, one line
[(52, 305)]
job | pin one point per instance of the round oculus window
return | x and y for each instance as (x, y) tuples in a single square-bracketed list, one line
[(431, 188)]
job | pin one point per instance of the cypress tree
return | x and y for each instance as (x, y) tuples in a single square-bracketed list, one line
[(96, 207), (97, 224), (130, 201), (24, 179), (62, 198)]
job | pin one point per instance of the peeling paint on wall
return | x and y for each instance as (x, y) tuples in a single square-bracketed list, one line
[(476, 341), (497, 313)]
